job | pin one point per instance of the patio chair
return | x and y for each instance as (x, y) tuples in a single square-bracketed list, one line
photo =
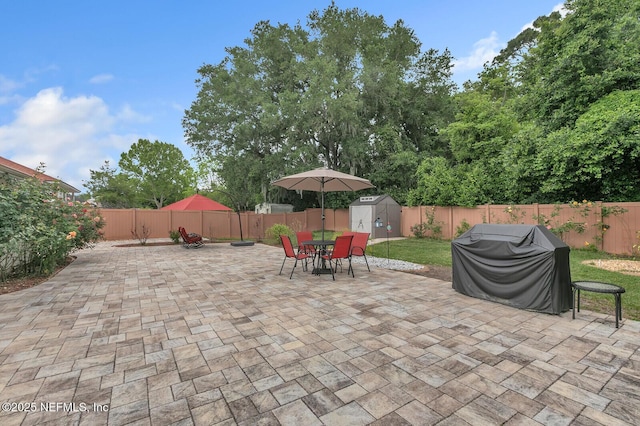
[(308, 248), (289, 253), (305, 236), (359, 246), (191, 240), (347, 233), (341, 250)]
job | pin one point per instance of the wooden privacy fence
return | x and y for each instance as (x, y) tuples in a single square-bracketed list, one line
[(611, 227), (124, 224)]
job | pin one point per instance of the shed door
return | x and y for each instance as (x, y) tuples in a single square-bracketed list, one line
[(361, 218)]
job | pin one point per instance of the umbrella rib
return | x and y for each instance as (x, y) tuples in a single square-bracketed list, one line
[(343, 182)]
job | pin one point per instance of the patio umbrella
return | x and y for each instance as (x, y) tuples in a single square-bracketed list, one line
[(323, 180)]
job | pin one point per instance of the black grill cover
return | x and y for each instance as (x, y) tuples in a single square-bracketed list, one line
[(524, 266)]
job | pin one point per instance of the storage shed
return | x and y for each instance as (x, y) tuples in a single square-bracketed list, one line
[(269, 208), (524, 266), (379, 215)]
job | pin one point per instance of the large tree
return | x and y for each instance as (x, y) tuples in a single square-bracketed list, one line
[(110, 188), (580, 86), (599, 159), (553, 117), (592, 52), (152, 174), (158, 170), (345, 92)]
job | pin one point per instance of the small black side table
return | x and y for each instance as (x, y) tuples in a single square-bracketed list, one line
[(598, 287)]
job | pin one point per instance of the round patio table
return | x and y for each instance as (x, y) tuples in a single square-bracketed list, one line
[(598, 287), (320, 249)]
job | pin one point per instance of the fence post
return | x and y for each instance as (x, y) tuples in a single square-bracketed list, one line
[(598, 229), (261, 227), (451, 234)]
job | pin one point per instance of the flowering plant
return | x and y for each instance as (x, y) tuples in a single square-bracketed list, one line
[(38, 230), (81, 223)]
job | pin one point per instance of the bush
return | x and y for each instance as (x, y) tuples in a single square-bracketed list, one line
[(143, 235), (175, 236), (432, 228), (273, 233), (462, 228), (419, 230), (38, 231)]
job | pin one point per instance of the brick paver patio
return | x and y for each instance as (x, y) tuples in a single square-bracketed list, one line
[(164, 335)]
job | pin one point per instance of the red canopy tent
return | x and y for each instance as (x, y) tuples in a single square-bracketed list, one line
[(196, 202)]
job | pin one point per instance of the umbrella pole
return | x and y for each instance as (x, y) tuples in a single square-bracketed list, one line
[(322, 204)]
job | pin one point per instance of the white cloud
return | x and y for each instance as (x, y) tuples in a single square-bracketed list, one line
[(484, 51), (488, 48), (560, 8), (11, 99), (69, 135), (7, 85), (557, 8), (127, 113), (101, 79)]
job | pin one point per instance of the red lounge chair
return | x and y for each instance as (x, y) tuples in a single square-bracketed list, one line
[(341, 250), (190, 240), (290, 253)]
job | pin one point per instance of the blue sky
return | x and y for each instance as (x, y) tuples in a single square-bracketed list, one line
[(81, 81)]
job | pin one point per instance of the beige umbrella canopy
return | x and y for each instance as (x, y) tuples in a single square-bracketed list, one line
[(323, 180)]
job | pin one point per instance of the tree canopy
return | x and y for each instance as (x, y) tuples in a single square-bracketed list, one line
[(347, 92), (554, 117), (152, 174)]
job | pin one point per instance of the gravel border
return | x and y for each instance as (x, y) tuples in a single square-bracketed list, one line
[(381, 262)]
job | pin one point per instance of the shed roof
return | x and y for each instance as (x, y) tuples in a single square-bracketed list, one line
[(372, 200)]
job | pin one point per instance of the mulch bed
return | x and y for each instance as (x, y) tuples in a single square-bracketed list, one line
[(161, 243), (442, 273), (21, 283)]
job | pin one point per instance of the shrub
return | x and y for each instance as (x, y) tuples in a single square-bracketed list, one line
[(419, 230), (143, 235), (432, 228), (38, 231), (462, 228), (175, 236), (273, 233)]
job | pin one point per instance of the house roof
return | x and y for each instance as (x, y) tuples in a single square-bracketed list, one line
[(18, 170)]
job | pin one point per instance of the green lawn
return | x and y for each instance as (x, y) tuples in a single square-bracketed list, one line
[(437, 252)]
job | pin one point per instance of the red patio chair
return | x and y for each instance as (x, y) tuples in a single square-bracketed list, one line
[(191, 240), (290, 253), (341, 250), (305, 236), (359, 246)]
